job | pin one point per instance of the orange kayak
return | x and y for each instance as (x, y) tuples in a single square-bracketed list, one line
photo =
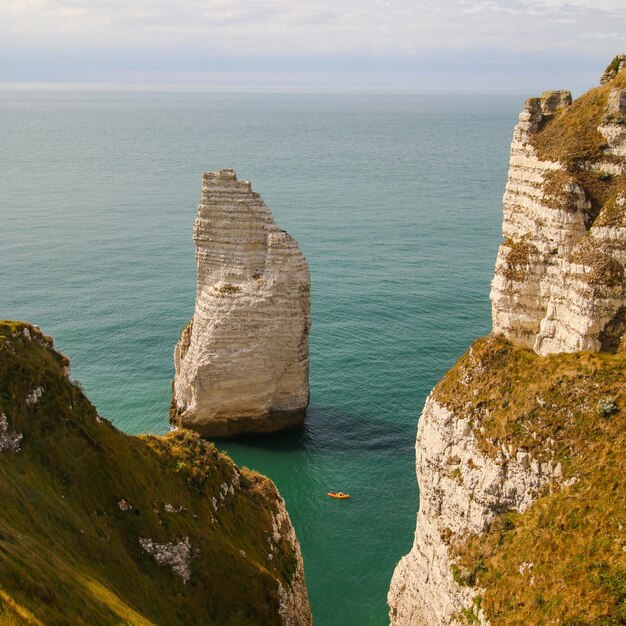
[(340, 496)]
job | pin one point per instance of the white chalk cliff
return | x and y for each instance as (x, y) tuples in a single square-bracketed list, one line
[(461, 490), (558, 287), (242, 362), (558, 284)]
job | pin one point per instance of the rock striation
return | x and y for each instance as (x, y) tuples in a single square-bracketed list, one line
[(558, 284), (558, 288), (242, 362)]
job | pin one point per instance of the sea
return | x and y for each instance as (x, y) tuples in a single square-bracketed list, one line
[(395, 200)]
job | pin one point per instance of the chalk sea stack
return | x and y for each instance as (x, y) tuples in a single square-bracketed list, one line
[(242, 362), (521, 447)]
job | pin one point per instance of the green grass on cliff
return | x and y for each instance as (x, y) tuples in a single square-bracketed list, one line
[(569, 408), (70, 555)]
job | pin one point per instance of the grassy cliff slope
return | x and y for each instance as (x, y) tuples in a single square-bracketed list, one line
[(562, 561), (97, 527)]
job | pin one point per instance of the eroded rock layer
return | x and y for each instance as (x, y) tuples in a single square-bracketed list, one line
[(242, 363), (558, 284)]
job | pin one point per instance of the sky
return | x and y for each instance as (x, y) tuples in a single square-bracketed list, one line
[(510, 46)]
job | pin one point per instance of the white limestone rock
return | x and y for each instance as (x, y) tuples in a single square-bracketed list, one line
[(242, 363), (9, 440), (558, 279), (461, 491), (32, 397), (176, 554), (617, 101)]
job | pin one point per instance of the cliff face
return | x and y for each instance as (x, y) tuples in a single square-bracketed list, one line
[(519, 456), (558, 284), (97, 527), (462, 491), (242, 363)]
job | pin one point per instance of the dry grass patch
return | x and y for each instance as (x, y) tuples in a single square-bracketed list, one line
[(563, 561), (571, 137), (571, 134)]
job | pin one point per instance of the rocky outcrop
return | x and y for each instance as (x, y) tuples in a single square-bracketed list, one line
[(558, 282), (519, 460), (615, 67), (461, 491), (242, 363), (558, 288)]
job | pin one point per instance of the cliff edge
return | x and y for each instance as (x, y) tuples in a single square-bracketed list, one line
[(242, 363), (98, 527), (521, 448)]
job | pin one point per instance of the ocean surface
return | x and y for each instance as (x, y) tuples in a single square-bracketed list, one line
[(396, 203)]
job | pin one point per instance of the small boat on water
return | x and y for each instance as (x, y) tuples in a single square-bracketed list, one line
[(338, 494)]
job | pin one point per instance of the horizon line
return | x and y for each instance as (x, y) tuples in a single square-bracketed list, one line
[(102, 87)]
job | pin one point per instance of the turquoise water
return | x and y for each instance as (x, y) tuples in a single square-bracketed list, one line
[(395, 201)]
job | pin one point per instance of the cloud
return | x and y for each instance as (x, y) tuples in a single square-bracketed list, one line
[(200, 31), (603, 36), (281, 25), (607, 6)]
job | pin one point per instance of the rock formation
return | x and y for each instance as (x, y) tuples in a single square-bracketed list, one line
[(242, 362), (99, 527), (461, 491), (505, 430), (558, 284)]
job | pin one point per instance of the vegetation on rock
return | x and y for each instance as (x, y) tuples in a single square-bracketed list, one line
[(571, 136), (601, 269), (97, 527), (518, 259), (563, 560), (613, 213)]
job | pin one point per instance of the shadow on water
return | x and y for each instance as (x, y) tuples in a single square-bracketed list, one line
[(328, 429)]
